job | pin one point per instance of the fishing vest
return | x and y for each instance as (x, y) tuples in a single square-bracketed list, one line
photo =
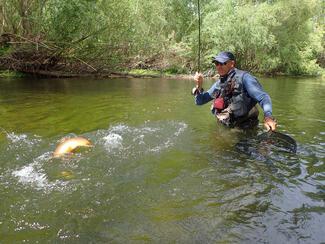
[(237, 104)]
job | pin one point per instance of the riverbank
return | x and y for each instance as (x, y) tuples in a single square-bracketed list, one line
[(136, 73), (17, 60), (11, 74)]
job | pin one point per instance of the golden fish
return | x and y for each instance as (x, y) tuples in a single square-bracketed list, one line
[(70, 145)]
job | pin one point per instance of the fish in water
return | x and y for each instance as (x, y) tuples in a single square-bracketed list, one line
[(69, 145)]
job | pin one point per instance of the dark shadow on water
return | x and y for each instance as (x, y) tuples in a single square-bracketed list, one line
[(267, 146)]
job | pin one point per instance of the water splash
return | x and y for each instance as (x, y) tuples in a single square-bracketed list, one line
[(34, 175), (112, 141), (19, 139), (119, 141), (29, 174), (149, 138)]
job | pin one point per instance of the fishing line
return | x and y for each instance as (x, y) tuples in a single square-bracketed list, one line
[(199, 51)]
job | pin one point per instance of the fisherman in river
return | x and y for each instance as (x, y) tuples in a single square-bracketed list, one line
[(235, 95)]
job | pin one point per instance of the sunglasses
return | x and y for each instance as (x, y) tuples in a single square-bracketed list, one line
[(220, 64)]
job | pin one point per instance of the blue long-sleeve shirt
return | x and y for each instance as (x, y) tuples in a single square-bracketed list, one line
[(251, 86)]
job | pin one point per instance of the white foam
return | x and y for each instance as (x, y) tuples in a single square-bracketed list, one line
[(148, 129), (150, 138), (161, 147), (119, 128), (112, 141), (19, 141), (182, 128), (16, 138), (29, 175), (139, 139), (34, 175)]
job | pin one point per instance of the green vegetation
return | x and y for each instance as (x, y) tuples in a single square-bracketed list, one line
[(170, 71), (78, 36), (10, 74), (144, 72)]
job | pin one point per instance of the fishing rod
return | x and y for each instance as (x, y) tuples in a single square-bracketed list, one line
[(199, 47)]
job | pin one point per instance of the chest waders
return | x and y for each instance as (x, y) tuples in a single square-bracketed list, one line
[(232, 106)]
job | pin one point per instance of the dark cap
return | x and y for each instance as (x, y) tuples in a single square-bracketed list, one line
[(223, 57)]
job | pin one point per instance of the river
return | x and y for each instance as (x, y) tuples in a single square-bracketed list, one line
[(161, 169)]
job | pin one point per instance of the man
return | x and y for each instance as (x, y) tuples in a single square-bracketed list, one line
[(235, 95)]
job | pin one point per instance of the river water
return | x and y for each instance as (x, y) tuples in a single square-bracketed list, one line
[(161, 169)]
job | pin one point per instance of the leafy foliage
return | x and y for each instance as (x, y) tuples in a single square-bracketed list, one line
[(270, 36)]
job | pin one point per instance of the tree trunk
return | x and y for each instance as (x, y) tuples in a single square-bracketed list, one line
[(24, 14)]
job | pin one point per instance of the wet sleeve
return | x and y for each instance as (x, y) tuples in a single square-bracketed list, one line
[(205, 97), (255, 91)]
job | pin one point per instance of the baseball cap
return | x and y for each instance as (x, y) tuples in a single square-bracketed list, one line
[(223, 57)]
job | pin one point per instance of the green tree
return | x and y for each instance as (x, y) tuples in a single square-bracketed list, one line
[(270, 36), (267, 37)]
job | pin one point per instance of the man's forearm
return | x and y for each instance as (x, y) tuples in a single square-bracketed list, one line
[(202, 98)]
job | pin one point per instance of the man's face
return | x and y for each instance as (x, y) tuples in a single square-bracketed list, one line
[(223, 68)]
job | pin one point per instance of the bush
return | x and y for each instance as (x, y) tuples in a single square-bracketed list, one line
[(266, 37)]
